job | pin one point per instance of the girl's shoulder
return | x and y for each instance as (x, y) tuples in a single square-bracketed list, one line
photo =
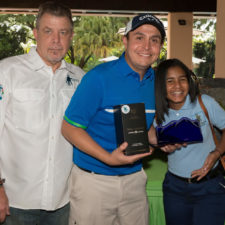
[(208, 100), (213, 107), (206, 97)]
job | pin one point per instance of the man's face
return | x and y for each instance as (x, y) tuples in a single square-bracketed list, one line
[(142, 48), (53, 37)]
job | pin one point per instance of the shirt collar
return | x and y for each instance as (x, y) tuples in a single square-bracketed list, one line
[(187, 104), (37, 63), (126, 70)]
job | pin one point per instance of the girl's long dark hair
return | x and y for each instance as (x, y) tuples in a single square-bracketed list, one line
[(162, 106)]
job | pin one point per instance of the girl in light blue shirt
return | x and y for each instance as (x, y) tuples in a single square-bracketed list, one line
[(194, 186)]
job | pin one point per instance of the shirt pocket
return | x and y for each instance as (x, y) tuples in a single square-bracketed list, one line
[(28, 109)]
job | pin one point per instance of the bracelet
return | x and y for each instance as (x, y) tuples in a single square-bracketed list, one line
[(2, 181)]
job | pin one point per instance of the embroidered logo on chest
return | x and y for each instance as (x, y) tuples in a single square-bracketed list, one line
[(200, 117)]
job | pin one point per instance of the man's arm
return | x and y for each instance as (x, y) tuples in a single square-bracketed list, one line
[(81, 139)]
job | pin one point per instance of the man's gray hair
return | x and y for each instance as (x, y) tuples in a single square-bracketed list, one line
[(55, 9)]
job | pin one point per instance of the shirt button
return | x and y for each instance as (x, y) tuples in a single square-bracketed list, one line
[(177, 114)]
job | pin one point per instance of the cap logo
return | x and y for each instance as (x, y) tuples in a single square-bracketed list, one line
[(149, 17), (145, 19)]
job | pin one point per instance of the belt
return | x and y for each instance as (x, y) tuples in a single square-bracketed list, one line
[(212, 174), (89, 171)]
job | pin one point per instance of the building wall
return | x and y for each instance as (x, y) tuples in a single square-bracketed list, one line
[(179, 38)]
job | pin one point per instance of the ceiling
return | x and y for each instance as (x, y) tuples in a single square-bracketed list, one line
[(119, 6)]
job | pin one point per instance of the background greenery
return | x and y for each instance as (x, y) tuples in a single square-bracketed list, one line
[(97, 37)]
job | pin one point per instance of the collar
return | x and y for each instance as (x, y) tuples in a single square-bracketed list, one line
[(126, 70), (187, 105), (36, 62)]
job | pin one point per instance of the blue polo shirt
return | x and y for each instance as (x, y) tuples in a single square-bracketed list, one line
[(187, 159), (91, 108)]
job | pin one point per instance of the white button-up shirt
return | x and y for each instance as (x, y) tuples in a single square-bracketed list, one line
[(35, 159)]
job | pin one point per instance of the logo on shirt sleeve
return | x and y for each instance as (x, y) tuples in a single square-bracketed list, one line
[(1, 92)]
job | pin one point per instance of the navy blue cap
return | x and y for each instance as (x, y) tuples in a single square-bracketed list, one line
[(142, 19)]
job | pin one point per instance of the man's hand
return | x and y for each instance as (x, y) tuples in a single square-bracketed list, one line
[(82, 140), (4, 205), (118, 158)]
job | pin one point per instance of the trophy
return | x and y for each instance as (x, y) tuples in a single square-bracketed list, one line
[(130, 123)]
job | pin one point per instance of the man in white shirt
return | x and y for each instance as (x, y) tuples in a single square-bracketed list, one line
[(35, 159)]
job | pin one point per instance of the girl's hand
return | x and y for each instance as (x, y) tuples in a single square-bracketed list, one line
[(172, 148), (208, 165)]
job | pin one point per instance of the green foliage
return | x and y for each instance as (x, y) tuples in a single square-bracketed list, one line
[(208, 25), (96, 37), (18, 19), (10, 41), (14, 30), (204, 47), (92, 62), (205, 50)]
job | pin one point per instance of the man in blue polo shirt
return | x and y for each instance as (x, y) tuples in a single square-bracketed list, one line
[(108, 187)]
